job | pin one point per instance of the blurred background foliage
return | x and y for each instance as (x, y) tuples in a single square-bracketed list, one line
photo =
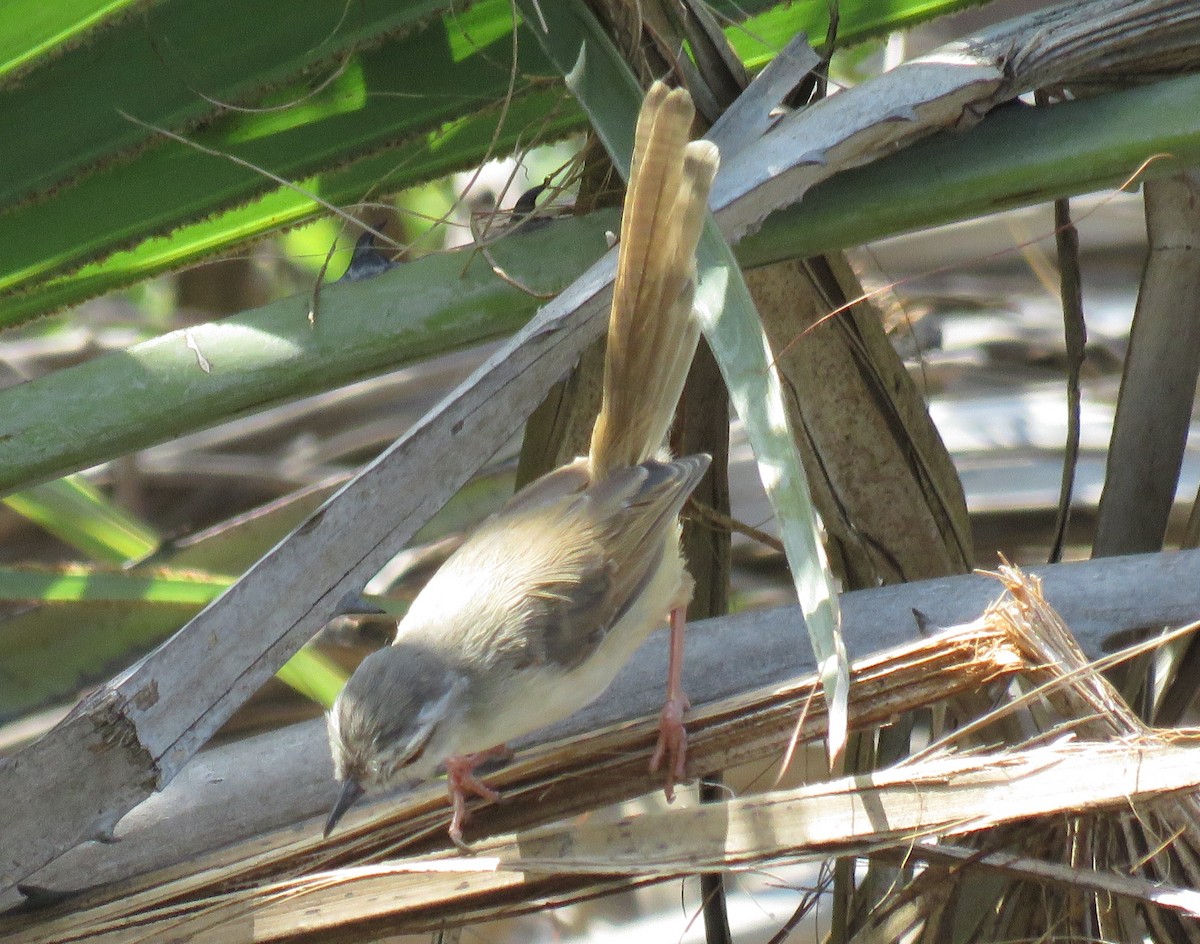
[(195, 354), (151, 151)]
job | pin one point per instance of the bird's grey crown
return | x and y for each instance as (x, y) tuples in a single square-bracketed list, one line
[(383, 712)]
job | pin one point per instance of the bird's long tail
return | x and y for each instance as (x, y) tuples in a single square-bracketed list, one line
[(652, 335)]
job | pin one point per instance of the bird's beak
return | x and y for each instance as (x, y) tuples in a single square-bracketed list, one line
[(351, 791)]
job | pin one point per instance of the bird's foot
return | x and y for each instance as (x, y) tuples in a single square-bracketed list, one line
[(461, 780), (672, 743)]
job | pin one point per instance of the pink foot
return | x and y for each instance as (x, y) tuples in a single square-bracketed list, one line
[(672, 744), (672, 736), (461, 780)]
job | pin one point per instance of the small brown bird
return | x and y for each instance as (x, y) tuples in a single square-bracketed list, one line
[(534, 615)]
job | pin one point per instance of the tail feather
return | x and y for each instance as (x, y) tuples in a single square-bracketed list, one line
[(652, 335)]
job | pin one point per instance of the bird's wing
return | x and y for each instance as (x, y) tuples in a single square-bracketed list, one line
[(545, 579), (569, 479), (609, 552)]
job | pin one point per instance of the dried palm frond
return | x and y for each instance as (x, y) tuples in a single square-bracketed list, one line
[(1088, 827), (1075, 858)]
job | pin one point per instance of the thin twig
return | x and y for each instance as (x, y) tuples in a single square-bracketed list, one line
[(1066, 239), (715, 519), (998, 254)]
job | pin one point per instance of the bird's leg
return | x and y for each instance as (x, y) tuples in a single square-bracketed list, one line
[(672, 736), (461, 780)]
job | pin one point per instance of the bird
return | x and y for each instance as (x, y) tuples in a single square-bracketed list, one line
[(535, 613)]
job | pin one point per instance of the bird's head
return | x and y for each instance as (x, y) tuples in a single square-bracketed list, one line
[(392, 721)]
